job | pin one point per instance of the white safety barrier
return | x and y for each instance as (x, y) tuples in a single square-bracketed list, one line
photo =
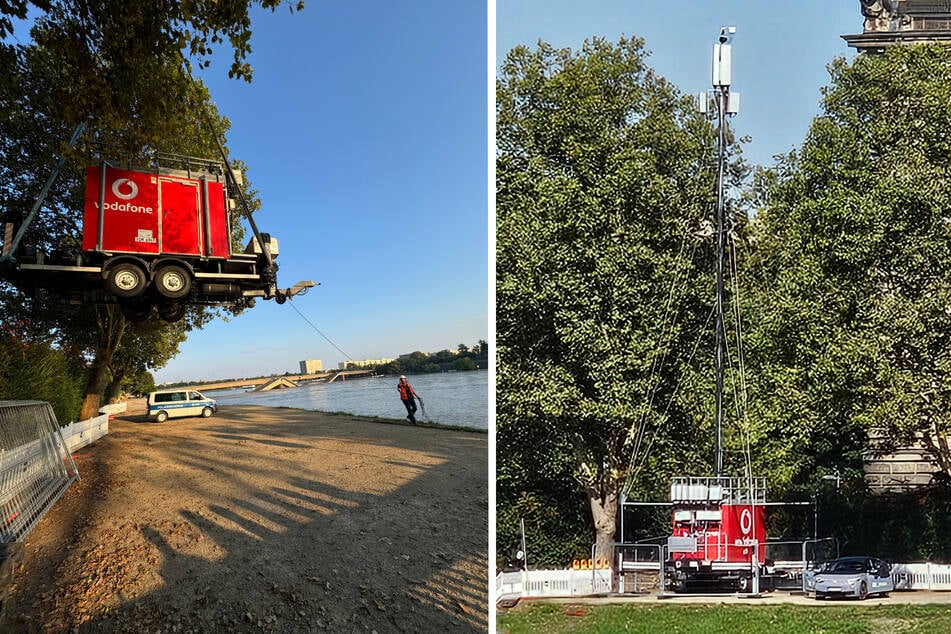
[(922, 576), (85, 432), (552, 583)]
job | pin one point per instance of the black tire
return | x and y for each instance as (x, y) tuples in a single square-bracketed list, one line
[(743, 584), (136, 311), (161, 417), (172, 281), (126, 280), (819, 596), (863, 591), (205, 413), (171, 312)]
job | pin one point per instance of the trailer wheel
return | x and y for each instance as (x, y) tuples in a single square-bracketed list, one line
[(173, 282), (161, 417), (743, 584), (135, 311), (125, 280), (171, 312)]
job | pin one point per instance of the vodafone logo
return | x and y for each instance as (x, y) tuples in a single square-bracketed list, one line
[(746, 521), (120, 184)]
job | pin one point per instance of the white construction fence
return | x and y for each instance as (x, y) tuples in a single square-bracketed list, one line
[(552, 583), (571, 583), (85, 432)]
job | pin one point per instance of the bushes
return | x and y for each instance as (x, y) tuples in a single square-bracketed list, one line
[(37, 371)]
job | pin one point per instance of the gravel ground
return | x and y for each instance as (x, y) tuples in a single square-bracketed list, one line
[(263, 519)]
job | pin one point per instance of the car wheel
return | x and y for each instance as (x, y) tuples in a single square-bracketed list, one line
[(125, 280), (863, 591), (205, 413), (173, 282), (161, 417), (819, 596)]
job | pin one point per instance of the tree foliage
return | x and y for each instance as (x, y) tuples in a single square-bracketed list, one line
[(34, 369), (852, 329), (604, 280), (464, 359)]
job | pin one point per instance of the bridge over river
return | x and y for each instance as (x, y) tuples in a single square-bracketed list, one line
[(326, 377)]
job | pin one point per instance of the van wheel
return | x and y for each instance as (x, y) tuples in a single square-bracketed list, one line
[(173, 282), (125, 280), (161, 417), (205, 413)]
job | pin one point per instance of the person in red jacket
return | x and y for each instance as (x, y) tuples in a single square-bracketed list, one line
[(408, 396)]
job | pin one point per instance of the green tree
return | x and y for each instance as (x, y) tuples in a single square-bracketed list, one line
[(140, 31), (140, 383), (464, 364), (604, 281), (852, 330), (145, 345), (34, 369)]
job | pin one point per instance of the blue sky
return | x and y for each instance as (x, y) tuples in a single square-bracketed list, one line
[(365, 132), (780, 50)]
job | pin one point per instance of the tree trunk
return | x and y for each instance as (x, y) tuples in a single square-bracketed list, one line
[(94, 389), (603, 499), (604, 508), (111, 326), (114, 389)]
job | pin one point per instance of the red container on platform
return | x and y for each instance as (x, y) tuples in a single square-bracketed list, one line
[(731, 538), (157, 214)]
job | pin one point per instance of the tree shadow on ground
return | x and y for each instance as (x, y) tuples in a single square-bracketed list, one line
[(289, 523)]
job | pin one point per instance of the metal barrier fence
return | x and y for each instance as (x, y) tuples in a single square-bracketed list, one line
[(640, 567), (35, 466)]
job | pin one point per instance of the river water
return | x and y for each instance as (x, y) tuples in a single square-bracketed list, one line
[(454, 398)]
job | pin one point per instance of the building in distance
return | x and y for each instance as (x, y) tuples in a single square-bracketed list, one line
[(311, 366), (364, 363), (894, 22)]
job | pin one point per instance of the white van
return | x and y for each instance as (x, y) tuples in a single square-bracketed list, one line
[(167, 404)]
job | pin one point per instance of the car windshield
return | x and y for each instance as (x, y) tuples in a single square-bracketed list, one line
[(845, 566)]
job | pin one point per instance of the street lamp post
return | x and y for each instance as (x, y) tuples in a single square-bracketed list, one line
[(815, 501)]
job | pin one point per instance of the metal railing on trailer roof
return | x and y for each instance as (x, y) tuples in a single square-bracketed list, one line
[(702, 489)]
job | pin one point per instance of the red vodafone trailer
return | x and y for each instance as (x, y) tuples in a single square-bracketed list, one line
[(718, 532), (159, 237)]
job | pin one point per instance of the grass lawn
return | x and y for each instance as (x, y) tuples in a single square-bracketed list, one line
[(550, 618)]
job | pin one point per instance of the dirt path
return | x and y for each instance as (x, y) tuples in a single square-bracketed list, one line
[(263, 519)]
